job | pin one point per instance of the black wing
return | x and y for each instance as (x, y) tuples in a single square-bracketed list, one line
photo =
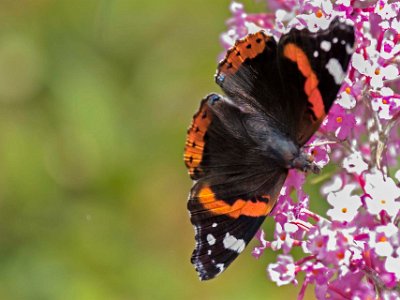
[(235, 186), (295, 82)]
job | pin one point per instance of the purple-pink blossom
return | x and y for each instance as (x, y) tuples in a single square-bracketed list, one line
[(351, 251)]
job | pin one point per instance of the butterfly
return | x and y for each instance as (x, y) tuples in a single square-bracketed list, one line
[(240, 147)]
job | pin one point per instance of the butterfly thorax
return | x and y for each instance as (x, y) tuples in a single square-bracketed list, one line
[(274, 144)]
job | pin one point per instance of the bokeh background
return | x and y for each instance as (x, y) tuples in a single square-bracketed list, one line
[(95, 100)]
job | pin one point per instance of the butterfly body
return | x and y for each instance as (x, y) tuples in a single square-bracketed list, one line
[(240, 146)]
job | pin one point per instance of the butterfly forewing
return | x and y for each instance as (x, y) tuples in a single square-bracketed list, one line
[(313, 66)]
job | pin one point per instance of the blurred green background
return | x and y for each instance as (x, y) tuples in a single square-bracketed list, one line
[(95, 99)]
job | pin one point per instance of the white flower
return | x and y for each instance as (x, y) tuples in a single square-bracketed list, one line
[(377, 72), (383, 194), (392, 264), (383, 239), (283, 15), (334, 185), (229, 38), (325, 5), (345, 205), (384, 249), (282, 272), (386, 11), (252, 28), (344, 2), (375, 206), (389, 230), (235, 6), (397, 175), (380, 73), (386, 91), (314, 23), (389, 45), (346, 100), (354, 163), (396, 25), (381, 105)]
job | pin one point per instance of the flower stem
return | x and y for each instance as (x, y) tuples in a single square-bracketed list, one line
[(302, 225), (303, 290)]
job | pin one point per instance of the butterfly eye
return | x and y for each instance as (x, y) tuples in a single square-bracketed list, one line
[(213, 99)]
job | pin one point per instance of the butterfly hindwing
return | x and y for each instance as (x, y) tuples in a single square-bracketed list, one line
[(225, 224)]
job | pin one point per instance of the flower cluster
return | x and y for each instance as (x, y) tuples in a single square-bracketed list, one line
[(353, 253)]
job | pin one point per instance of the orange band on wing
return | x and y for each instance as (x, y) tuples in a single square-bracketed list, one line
[(249, 47), (195, 139), (239, 208), (295, 54)]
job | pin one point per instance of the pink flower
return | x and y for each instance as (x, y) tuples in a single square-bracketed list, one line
[(347, 286), (340, 122), (357, 252), (281, 4), (319, 150), (318, 243), (283, 237), (259, 250), (317, 272)]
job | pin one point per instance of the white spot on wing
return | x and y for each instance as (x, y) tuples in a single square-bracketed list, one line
[(214, 225), (209, 252), (335, 40), (349, 22), (335, 69), (343, 42), (199, 267), (234, 244), (221, 267), (326, 46), (316, 54), (210, 239), (349, 49)]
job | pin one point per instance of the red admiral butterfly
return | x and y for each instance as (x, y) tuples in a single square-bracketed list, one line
[(240, 147)]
